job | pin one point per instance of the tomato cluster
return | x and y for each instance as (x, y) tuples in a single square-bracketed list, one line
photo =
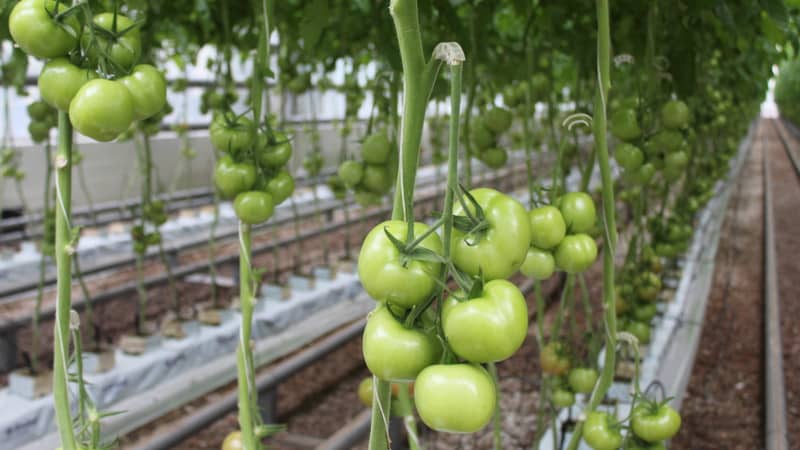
[(372, 176), (252, 169), (92, 70)]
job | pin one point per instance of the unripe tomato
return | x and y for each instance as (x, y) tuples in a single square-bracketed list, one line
[(366, 198), (253, 207), (487, 328), (625, 125), (600, 433), (654, 423), (148, 89), (351, 172), (553, 360), (376, 148), (548, 227), (481, 136), (500, 250), (102, 110), (665, 141), (645, 174), (457, 398), (582, 379), (231, 137), (233, 441), (494, 158), (578, 211), (675, 163), (123, 51), (39, 131), (376, 179), (562, 398), (497, 119), (383, 274), (645, 312), (675, 114), (60, 80), (539, 264), (365, 393), (233, 178), (393, 352), (628, 156), (576, 253), (274, 153), (639, 329), (281, 186), (37, 33)]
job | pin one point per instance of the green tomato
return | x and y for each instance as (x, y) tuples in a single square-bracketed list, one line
[(654, 423), (123, 51), (275, 152), (233, 441), (639, 329), (494, 158), (497, 119), (39, 111), (393, 352), (664, 141), (578, 211), (645, 174), (553, 360), (498, 251), (481, 137), (547, 227), (38, 33), (365, 393), (539, 264), (628, 156), (39, 131), (232, 137), (675, 114), (281, 186), (645, 312), (102, 110), (376, 148), (233, 178), (489, 327), (351, 172), (253, 207), (60, 80), (576, 253), (376, 179), (383, 273), (148, 87), (675, 163), (457, 398), (625, 125), (582, 379), (366, 198), (600, 433), (563, 398)]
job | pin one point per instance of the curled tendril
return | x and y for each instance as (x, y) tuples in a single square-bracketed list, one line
[(624, 58), (576, 119), (449, 52)]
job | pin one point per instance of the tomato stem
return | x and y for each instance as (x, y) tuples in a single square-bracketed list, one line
[(63, 249)]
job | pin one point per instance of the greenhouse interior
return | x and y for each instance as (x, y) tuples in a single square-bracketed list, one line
[(399, 224)]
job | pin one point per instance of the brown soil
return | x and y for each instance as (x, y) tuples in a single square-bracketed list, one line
[(723, 407)]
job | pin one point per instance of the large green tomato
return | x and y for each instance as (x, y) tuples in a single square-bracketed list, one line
[(376, 179), (675, 114), (281, 186), (60, 80), (629, 156), (547, 227), (148, 88), (457, 398), (487, 328), (37, 33), (500, 250), (233, 178), (102, 110), (624, 124), (231, 137), (600, 433), (274, 153), (539, 264), (497, 119), (578, 211), (383, 273), (576, 253), (655, 423), (376, 148), (393, 352), (253, 207), (123, 51), (582, 379)]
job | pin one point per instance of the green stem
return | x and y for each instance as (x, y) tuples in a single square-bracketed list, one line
[(497, 419), (610, 231), (64, 282), (245, 370), (87, 300), (48, 174)]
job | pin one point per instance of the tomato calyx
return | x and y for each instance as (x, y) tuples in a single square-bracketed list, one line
[(474, 223), (411, 250)]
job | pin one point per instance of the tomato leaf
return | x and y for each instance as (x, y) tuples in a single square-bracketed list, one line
[(314, 21)]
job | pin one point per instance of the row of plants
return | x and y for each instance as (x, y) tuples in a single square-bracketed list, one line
[(676, 94)]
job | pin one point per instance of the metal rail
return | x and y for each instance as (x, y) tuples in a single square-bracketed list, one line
[(780, 126), (776, 431)]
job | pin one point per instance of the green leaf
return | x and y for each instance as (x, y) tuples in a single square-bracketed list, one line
[(776, 10), (314, 21)]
